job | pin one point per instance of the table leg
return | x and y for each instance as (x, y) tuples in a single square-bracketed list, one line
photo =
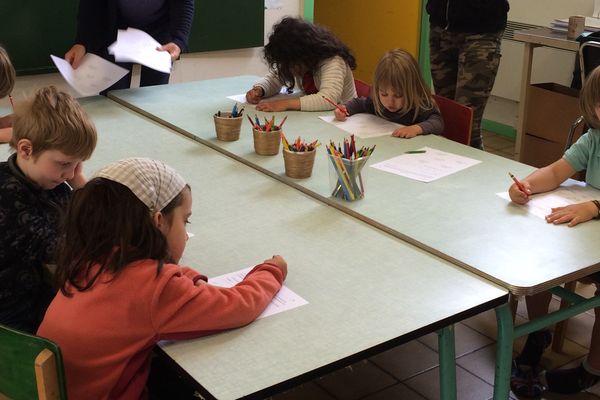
[(447, 358), (504, 347)]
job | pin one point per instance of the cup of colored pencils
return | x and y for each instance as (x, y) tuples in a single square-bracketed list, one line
[(298, 157), (228, 124), (346, 162), (267, 135)]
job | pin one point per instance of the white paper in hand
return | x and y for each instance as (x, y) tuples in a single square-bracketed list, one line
[(134, 45), (93, 75)]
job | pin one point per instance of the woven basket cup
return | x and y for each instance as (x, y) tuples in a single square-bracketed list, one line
[(266, 143), (227, 128), (299, 164)]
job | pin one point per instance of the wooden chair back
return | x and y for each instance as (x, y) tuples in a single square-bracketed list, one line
[(31, 367)]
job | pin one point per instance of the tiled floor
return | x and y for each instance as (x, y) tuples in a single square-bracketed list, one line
[(410, 371)]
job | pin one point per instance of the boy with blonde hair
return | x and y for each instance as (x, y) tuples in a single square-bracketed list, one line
[(7, 82), (52, 136)]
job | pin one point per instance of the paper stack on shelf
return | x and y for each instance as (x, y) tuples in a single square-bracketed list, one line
[(562, 25)]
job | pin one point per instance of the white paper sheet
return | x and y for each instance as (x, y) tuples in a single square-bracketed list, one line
[(93, 75), (137, 46), (426, 167), (241, 98), (284, 300), (570, 192), (364, 125)]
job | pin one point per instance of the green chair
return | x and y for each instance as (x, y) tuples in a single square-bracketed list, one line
[(31, 367)]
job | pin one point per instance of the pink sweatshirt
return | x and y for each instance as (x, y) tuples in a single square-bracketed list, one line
[(106, 334)]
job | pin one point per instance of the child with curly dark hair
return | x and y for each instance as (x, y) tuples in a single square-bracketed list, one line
[(310, 56)]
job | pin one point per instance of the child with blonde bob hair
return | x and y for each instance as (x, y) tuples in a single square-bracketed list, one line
[(51, 138), (583, 155), (7, 83), (121, 288), (399, 95)]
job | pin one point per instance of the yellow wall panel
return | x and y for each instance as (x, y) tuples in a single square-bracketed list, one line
[(371, 27)]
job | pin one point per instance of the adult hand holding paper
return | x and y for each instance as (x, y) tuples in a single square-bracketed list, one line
[(134, 45), (93, 75)]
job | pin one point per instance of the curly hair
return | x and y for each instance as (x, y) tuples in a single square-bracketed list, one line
[(295, 42)]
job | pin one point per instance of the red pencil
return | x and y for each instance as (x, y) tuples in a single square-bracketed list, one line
[(12, 102), (519, 184), (336, 106)]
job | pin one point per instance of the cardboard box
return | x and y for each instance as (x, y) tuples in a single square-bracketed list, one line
[(539, 152), (551, 110)]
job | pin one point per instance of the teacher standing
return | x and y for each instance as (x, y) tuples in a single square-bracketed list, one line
[(168, 21)]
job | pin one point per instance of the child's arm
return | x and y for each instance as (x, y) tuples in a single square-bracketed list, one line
[(181, 309), (542, 180), (432, 124), (355, 106), (5, 135), (6, 121)]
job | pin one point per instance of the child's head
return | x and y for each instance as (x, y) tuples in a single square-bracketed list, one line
[(589, 99), (296, 45), (131, 210), (7, 74), (398, 85), (51, 136)]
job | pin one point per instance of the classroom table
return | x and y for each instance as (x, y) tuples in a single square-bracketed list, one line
[(533, 38), (459, 217), (367, 291)]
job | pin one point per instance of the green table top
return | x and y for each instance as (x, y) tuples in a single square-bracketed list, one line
[(458, 217), (367, 290)]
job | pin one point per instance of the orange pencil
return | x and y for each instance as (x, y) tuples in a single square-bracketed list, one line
[(519, 184), (336, 106)]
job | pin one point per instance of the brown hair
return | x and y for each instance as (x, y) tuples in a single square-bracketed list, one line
[(107, 227), (7, 74), (397, 70), (53, 120), (589, 99)]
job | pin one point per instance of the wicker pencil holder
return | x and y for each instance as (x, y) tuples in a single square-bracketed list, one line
[(266, 143), (227, 128), (299, 164)]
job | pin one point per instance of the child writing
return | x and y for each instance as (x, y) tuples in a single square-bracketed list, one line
[(307, 55), (399, 95), (51, 137), (121, 287), (7, 82), (583, 155)]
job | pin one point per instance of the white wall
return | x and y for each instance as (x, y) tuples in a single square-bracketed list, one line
[(549, 65), (194, 66)]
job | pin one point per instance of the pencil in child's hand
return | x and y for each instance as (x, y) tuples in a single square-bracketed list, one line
[(518, 183), (336, 106), (12, 102)]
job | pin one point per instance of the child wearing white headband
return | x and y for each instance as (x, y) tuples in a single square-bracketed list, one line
[(121, 287)]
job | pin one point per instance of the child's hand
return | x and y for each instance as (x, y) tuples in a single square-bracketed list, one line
[(273, 106), (341, 115), (78, 179), (75, 55), (517, 195), (408, 132), (573, 214), (254, 95), (279, 262)]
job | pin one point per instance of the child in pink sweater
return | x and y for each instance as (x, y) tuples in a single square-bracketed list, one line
[(121, 287)]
